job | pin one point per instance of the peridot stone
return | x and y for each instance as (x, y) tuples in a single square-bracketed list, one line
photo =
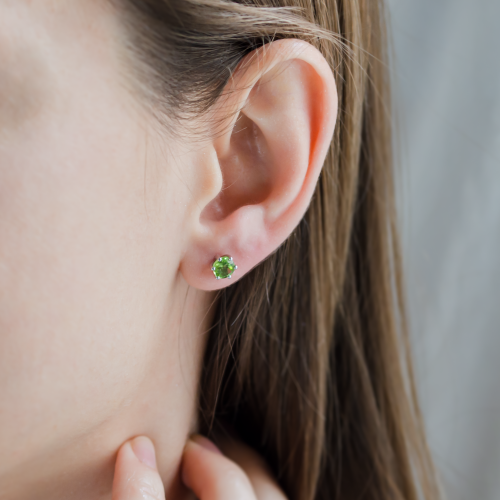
[(223, 267)]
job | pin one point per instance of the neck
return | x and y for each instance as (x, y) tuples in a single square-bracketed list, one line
[(162, 406)]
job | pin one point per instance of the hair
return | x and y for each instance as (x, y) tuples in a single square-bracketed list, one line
[(308, 357)]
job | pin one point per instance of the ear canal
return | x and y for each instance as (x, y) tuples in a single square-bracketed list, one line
[(246, 171)]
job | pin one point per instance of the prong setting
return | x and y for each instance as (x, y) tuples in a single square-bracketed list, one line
[(223, 267)]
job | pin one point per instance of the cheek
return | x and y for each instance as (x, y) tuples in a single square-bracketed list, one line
[(83, 269)]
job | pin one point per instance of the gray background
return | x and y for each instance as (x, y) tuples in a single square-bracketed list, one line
[(447, 87)]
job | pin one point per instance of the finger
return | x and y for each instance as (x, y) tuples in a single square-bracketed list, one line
[(211, 475), (136, 476), (256, 469)]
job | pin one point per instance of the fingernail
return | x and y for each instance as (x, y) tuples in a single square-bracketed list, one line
[(205, 443), (144, 450)]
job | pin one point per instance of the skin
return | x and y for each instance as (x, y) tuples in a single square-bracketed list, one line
[(108, 228)]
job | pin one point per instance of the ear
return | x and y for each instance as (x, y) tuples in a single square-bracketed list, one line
[(278, 113)]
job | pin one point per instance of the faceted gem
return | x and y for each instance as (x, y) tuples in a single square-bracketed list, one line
[(223, 267)]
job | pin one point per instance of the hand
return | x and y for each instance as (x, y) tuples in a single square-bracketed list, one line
[(239, 474)]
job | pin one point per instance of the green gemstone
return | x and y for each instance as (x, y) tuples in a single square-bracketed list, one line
[(223, 267)]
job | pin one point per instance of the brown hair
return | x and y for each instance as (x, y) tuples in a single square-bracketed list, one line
[(308, 357)]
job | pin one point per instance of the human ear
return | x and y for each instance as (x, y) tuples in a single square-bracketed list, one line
[(281, 109)]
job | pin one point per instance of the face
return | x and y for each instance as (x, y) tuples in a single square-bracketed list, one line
[(90, 231)]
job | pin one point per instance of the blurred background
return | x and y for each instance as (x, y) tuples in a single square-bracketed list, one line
[(446, 77)]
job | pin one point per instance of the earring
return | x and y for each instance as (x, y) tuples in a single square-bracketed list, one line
[(223, 267)]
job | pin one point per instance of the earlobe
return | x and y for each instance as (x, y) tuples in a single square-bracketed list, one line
[(284, 108)]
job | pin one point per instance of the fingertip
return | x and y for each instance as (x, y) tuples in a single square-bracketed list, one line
[(194, 450), (136, 475), (205, 443), (144, 451), (210, 474)]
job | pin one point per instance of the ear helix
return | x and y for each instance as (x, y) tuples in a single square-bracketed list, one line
[(224, 267)]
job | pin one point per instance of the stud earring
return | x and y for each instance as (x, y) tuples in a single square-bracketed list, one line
[(223, 267)]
